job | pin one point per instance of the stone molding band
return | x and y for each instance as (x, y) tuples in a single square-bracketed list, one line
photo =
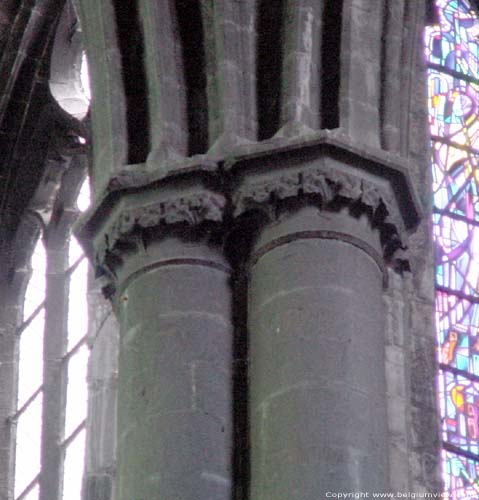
[(322, 234), (185, 261)]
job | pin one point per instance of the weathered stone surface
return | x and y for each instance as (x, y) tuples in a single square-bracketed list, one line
[(98, 488), (174, 403), (227, 137), (317, 362), (101, 424)]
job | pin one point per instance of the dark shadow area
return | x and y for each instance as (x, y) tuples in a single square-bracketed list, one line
[(269, 66), (331, 64), (194, 64), (131, 45)]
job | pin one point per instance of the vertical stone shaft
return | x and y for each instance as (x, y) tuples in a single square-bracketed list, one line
[(301, 64), (10, 316), (391, 71), (174, 401), (360, 92), (318, 393), (166, 86), (54, 371), (230, 63), (108, 108)]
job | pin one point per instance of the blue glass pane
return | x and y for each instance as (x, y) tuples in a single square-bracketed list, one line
[(457, 254), (452, 43), (453, 107), (455, 180)]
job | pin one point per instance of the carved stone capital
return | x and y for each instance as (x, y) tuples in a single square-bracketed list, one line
[(116, 226), (332, 176), (270, 177)]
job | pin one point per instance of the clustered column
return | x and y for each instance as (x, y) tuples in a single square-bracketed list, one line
[(317, 237)]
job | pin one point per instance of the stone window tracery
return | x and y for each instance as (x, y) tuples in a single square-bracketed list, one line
[(52, 366), (50, 421)]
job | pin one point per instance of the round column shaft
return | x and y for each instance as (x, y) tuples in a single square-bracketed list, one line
[(316, 326), (174, 403)]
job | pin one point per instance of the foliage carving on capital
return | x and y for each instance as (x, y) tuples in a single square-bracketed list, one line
[(190, 209), (327, 186)]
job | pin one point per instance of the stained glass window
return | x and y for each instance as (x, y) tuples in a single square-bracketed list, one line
[(452, 51)]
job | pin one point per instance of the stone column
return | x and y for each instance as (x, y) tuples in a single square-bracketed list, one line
[(10, 318), (55, 375), (170, 285), (316, 321), (317, 376)]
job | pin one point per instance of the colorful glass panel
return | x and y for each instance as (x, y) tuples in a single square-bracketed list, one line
[(461, 476), (453, 105), (452, 51), (459, 402), (457, 255), (455, 180), (457, 321), (452, 43)]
